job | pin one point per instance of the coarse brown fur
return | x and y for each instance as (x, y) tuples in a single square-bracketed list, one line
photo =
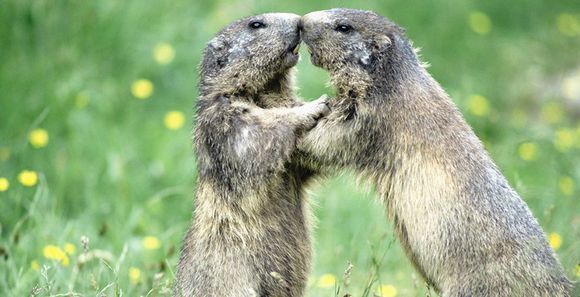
[(459, 221), (250, 234)]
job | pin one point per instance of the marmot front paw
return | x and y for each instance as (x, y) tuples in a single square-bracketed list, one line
[(311, 112)]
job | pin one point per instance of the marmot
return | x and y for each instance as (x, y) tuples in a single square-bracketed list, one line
[(250, 234), (459, 221)]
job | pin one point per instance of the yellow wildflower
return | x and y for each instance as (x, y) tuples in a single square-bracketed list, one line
[(4, 184), (4, 154), (564, 139), (134, 275), (568, 25), (578, 270), (38, 138), (51, 252), (28, 178), (82, 100), (34, 265), (70, 248), (479, 22), (567, 185), (528, 151), (555, 240), (327, 281), (142, 88), (478, 105), (552, 112), (174, 120), (151, 243), (55, 253), (163, 53), (65, 261), (387, 291)]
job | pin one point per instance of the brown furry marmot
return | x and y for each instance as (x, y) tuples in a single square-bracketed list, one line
[(459, 221), (250, 234)]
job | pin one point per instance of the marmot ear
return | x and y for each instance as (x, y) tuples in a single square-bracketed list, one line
[(381, 43)]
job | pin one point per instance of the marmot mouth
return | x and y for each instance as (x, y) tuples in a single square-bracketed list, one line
[(296, 49), (294, 46), (314, 59)]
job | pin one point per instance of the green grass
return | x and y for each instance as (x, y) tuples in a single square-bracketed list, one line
[(112, 171)]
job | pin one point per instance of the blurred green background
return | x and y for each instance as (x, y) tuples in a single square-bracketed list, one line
[(96, 102)]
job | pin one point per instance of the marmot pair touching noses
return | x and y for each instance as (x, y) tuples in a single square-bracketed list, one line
[(460, 223)]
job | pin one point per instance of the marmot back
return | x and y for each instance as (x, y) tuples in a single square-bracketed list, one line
[(460, 223), (250, 234)]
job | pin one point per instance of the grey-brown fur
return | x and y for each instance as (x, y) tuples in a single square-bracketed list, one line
[(459, 221), (250, 234)]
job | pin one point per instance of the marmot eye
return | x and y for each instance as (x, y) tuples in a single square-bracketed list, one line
[(344, 28), (257, 25)]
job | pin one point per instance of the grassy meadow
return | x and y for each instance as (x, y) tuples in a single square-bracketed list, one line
[(97, 173)]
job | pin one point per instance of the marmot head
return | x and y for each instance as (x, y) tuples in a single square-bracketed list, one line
[(248, 54), (357, 47)]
